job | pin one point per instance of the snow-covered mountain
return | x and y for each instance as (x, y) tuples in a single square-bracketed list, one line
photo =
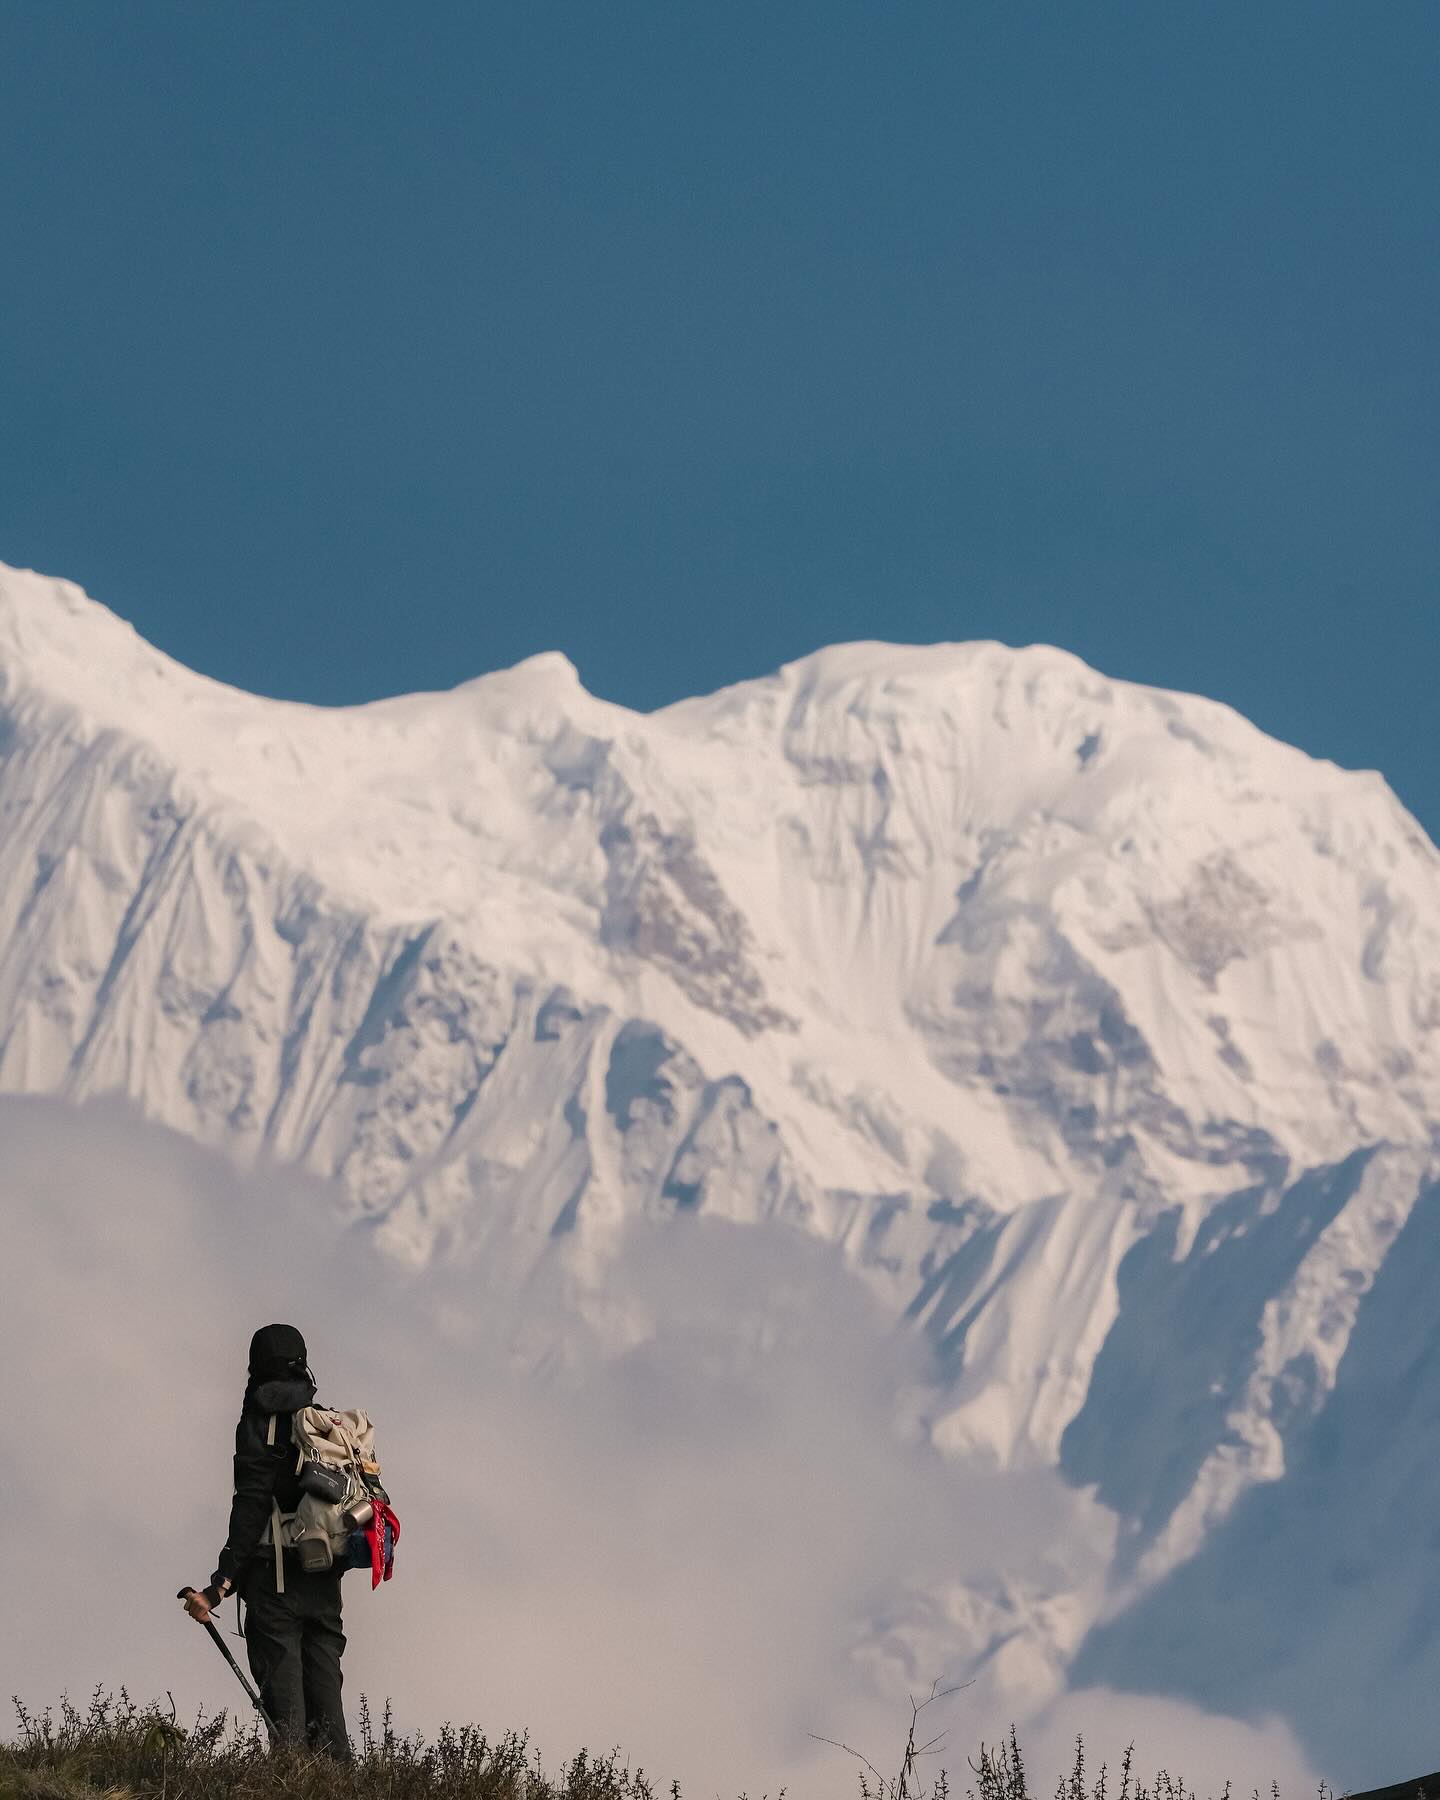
[(1099, 1032)]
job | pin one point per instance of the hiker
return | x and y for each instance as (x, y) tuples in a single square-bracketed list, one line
[(292, 1622)]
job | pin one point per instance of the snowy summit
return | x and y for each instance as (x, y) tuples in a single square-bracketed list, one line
[(985, 969)]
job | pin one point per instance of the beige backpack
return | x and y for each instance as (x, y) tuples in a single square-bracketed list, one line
[(341, 1498)]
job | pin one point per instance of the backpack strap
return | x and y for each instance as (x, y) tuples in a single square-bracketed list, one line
[(275, 1527), (277, 1532)]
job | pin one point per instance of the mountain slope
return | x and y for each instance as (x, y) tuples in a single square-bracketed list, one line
[(1081, 1018)]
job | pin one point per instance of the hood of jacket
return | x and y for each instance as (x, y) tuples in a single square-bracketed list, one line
[(277, 1350)]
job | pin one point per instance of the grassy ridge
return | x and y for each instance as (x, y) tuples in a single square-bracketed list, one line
[(117, 1750)]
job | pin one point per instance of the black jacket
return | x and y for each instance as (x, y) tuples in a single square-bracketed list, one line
[(265, 1474)]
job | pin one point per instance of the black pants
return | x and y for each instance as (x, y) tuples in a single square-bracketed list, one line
[(295, 1643)]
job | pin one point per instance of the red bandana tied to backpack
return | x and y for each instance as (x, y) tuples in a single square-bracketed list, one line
[(382, 1534)]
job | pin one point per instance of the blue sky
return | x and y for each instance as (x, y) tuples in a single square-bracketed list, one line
[(353, 349)]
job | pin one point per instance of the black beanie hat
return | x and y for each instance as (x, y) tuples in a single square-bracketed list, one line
[(276, 1350)]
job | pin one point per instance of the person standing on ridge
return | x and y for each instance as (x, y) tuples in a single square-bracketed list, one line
[(293, 1636)]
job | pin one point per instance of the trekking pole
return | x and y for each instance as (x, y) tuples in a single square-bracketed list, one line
[(224, 1650)]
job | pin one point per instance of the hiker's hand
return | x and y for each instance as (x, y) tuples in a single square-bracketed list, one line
[(197, 1606), (200, 1605)]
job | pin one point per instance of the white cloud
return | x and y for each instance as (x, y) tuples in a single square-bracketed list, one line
[(702, 1547), (1168, 1734)]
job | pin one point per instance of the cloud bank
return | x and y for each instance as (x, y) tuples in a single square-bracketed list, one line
[(685, 1516)]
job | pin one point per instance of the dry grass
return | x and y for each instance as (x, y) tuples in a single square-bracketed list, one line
[(122, 1751), (116, 1750)]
